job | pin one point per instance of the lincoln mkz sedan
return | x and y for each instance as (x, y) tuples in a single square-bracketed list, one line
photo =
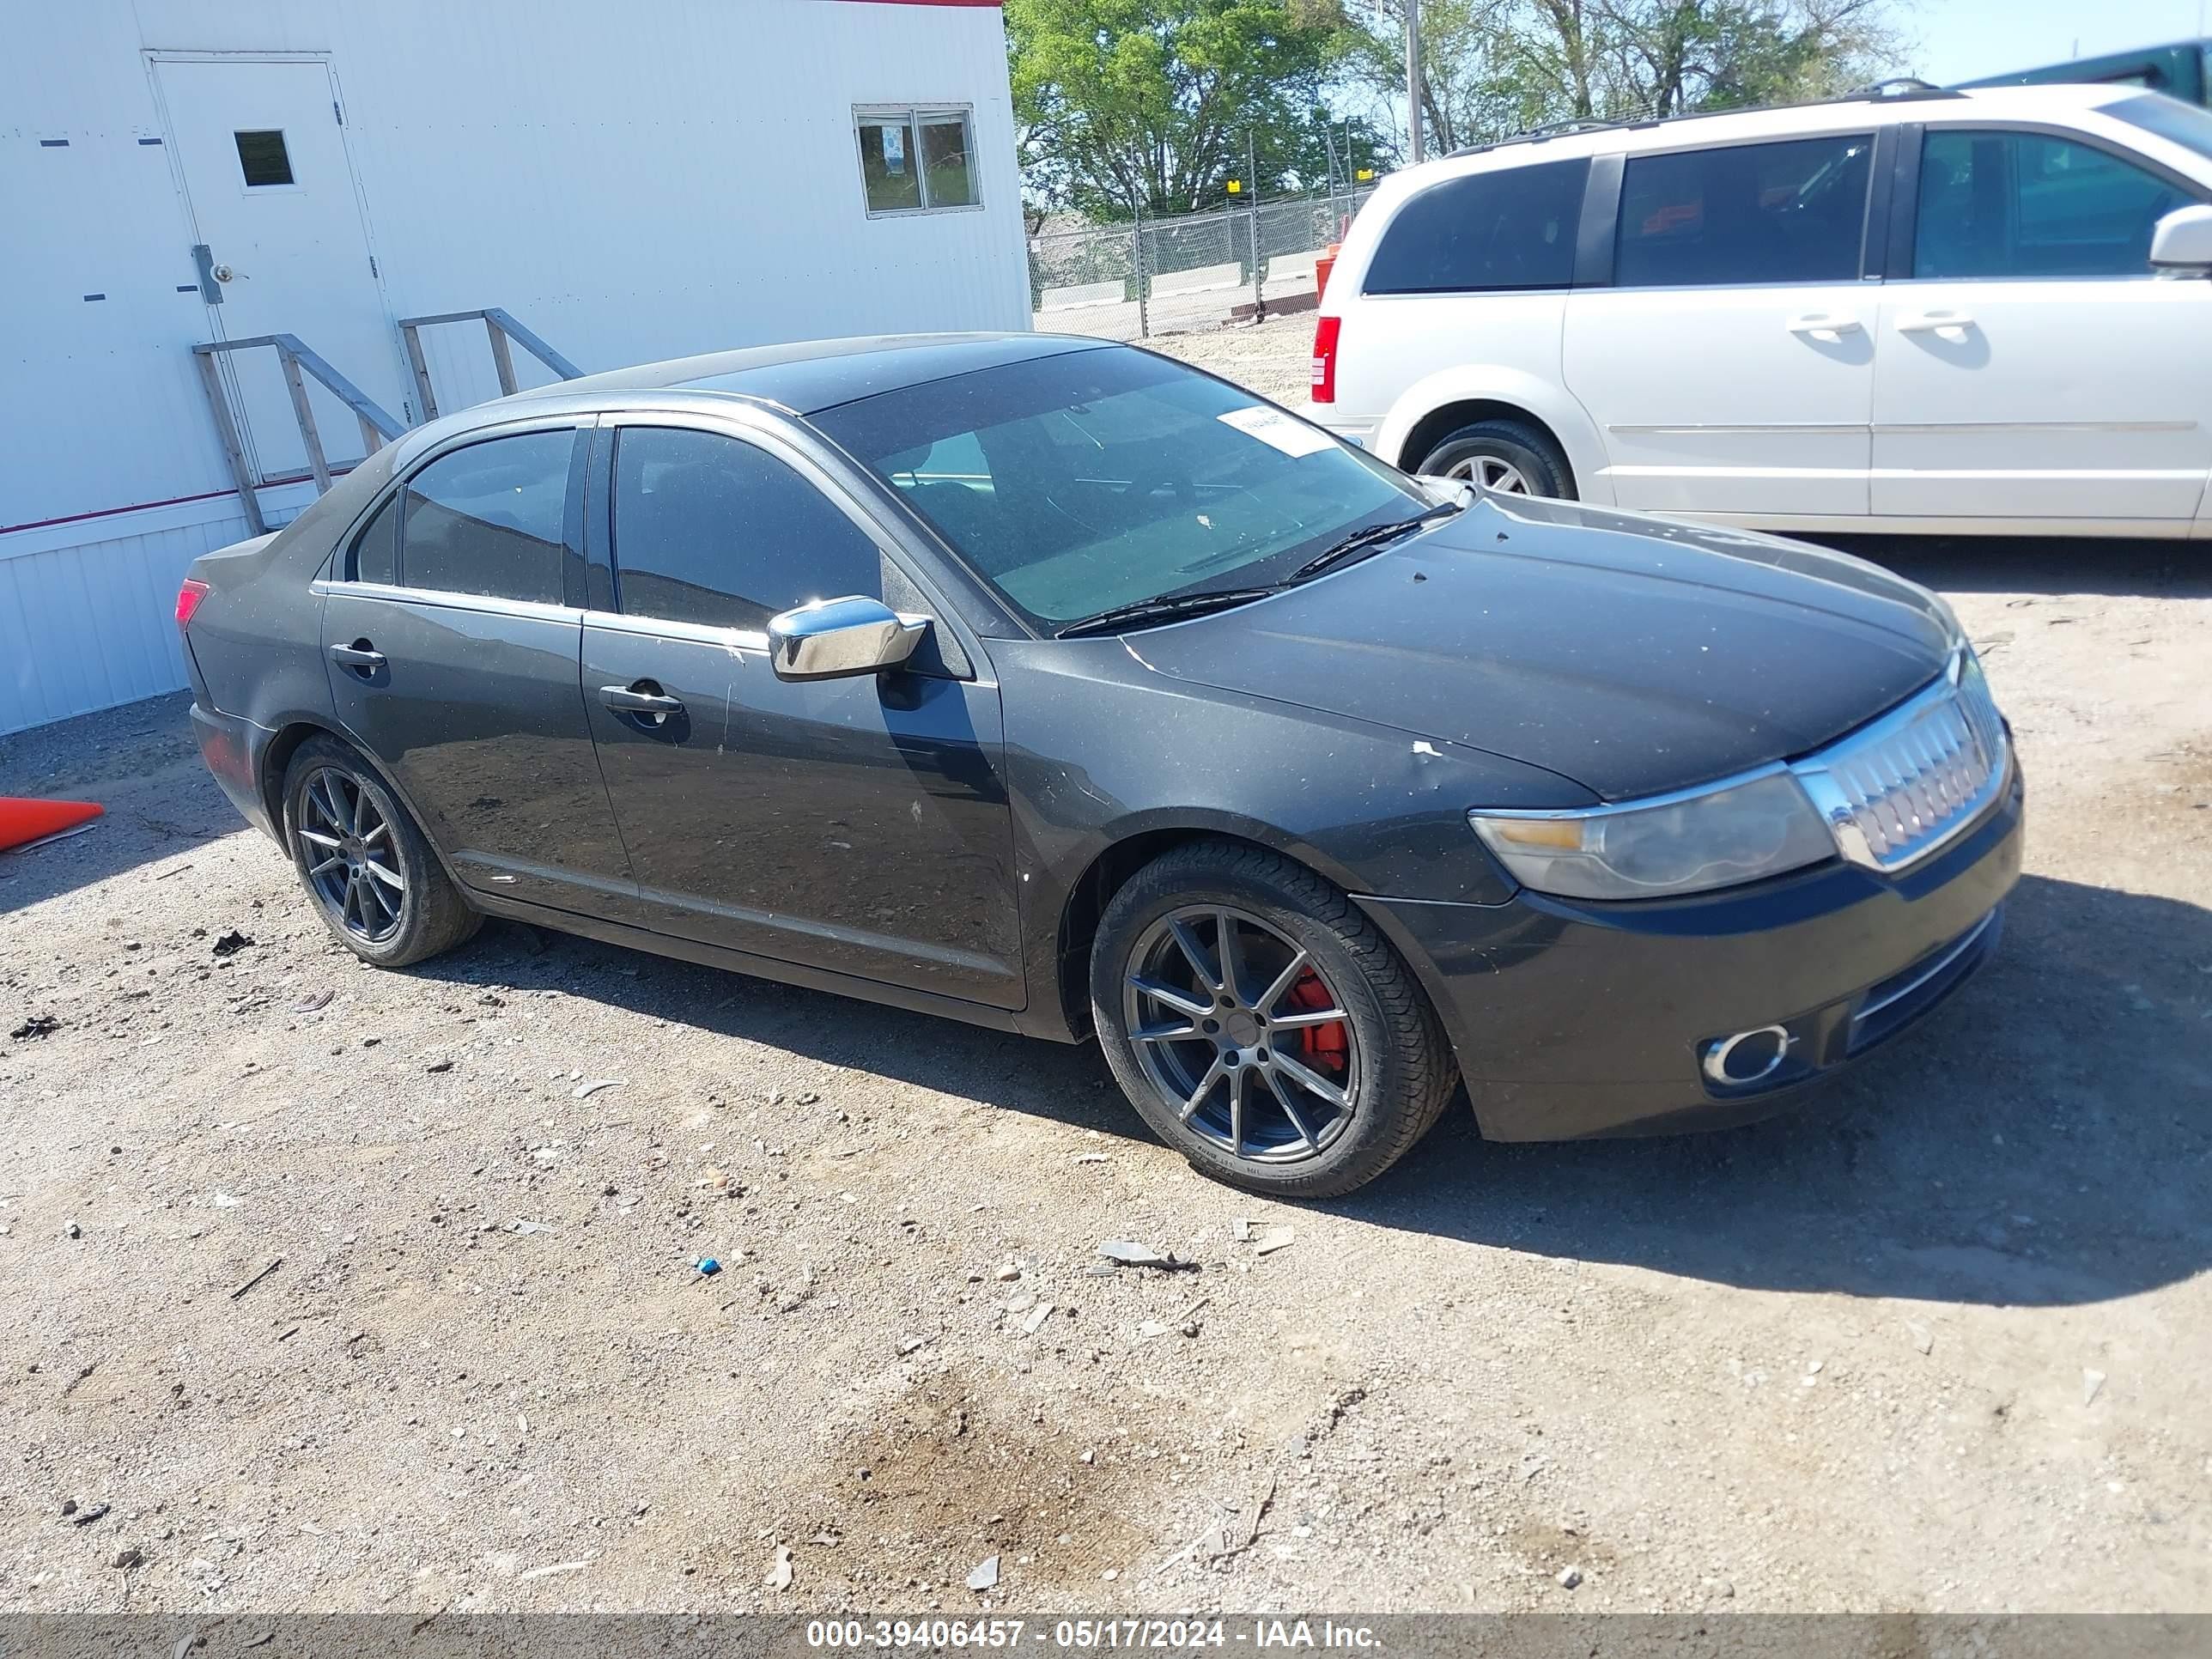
[(1054, 686)]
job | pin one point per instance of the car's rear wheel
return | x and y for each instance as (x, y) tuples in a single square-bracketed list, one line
[(364, 862), (1261, 1024), (1508, 458)]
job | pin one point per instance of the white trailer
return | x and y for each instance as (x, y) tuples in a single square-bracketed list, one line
[(615, 184)]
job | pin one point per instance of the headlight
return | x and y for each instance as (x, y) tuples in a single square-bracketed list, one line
[(1682, 843)]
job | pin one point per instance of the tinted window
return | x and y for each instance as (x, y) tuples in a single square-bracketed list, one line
[(488, 519), (710, 530), (1095, 478), (263, 158), (1511, 229), (2023, 205), (1750, 213), (376, 550)]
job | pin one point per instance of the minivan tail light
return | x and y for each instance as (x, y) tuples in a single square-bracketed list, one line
[(1324, 359), (188, 601)]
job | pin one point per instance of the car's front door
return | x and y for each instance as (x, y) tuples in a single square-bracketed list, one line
[(451, 635), (859, 825), (2030, 364), (1730, 364)]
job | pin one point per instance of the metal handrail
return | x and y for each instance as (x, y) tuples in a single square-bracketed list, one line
[(377, 425), (502, 328)]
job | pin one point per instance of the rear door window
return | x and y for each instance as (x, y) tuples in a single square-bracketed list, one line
[(2032, 205), (1511, 229), (712, 529), (376, 550), (492, 519), (1791, 212)]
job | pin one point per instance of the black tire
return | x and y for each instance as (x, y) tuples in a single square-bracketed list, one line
[(431, 914), (1399, 1065), (1531, 454)]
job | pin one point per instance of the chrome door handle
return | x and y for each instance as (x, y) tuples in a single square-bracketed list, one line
[(358, 656), (1819, 323), (1931, 322), (626, 699)]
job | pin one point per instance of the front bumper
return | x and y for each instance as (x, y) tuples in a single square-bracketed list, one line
[(1573, 1019)]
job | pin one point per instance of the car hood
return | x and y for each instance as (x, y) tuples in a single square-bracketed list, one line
[(1632, 655)]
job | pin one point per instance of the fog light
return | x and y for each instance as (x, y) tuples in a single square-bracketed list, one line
[(1747, 1057)]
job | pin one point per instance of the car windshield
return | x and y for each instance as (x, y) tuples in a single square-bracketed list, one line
[(1096, 478), (2169, 117)]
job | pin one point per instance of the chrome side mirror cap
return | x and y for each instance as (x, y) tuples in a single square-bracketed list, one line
[(2183, 240), (837, 639)]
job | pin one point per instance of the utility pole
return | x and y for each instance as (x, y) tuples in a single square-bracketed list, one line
[(1413, 80)]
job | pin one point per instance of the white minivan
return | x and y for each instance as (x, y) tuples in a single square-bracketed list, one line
[(1986, 311)]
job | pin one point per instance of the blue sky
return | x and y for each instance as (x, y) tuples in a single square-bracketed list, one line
[(1961, 39)]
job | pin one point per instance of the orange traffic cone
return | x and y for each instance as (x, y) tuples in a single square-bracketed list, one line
[(22, 821)]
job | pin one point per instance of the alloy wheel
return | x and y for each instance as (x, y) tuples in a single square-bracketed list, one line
[(1244, 1040), (351, 861), (1493, 472)]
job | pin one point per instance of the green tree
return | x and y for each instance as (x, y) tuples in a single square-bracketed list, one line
[(1493, 68), (1153, 105)]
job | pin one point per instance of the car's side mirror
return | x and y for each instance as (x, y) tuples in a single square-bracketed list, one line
[(2183, 240), (836, 639)]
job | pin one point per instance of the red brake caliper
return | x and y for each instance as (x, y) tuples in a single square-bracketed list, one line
[(1327, 1047)]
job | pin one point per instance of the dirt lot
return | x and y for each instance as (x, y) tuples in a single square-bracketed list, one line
[(1942, 1344)]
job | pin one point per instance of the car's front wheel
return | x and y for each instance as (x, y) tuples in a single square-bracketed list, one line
[(1507, 458), (365, 863), (1262, 1026)]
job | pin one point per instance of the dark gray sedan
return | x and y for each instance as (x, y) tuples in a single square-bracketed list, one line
[(1054, 686)]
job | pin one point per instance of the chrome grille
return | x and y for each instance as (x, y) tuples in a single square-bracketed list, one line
[(1894, 791)]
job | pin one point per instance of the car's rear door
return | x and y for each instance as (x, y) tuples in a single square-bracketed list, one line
[(858, 825), (2032, 366), (1729, 361), (451, 635)]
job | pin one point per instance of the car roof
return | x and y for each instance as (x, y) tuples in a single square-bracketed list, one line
[(1935, 106), (807, 376)]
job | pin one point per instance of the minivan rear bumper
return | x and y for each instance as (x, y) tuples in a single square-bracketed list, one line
[(1574, 1019)]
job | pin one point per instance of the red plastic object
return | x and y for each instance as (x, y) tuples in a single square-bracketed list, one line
[(1322, 266), (22, 820)]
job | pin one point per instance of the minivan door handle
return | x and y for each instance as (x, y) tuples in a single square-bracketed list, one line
[(1935, 322), (362, 658), (1822, 326)]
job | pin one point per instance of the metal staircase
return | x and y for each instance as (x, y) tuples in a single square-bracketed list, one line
[(377, 425)]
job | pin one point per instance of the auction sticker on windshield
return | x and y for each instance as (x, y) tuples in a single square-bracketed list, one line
[(1277, 430)]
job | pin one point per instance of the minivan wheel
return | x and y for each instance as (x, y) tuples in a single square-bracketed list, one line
[(365, 863), (1262, 1026), (1504, 457)]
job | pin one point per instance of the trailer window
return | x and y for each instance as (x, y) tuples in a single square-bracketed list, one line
[(263, 158), (916, 160)]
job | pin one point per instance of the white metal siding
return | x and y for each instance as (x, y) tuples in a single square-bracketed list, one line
[(632, 182)]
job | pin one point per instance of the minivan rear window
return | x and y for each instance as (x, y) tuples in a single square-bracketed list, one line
[(1511, 229), (1790, 212)]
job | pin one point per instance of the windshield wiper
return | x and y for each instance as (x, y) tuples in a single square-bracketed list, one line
[(1373, 536), (1152, 611)]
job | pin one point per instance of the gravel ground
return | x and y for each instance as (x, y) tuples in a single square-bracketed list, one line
[(1938, 1344)]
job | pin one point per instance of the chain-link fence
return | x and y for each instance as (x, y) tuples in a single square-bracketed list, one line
[(1149, 277)]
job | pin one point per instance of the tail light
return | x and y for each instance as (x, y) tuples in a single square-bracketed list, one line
[(188, 601), (1324, 359)]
